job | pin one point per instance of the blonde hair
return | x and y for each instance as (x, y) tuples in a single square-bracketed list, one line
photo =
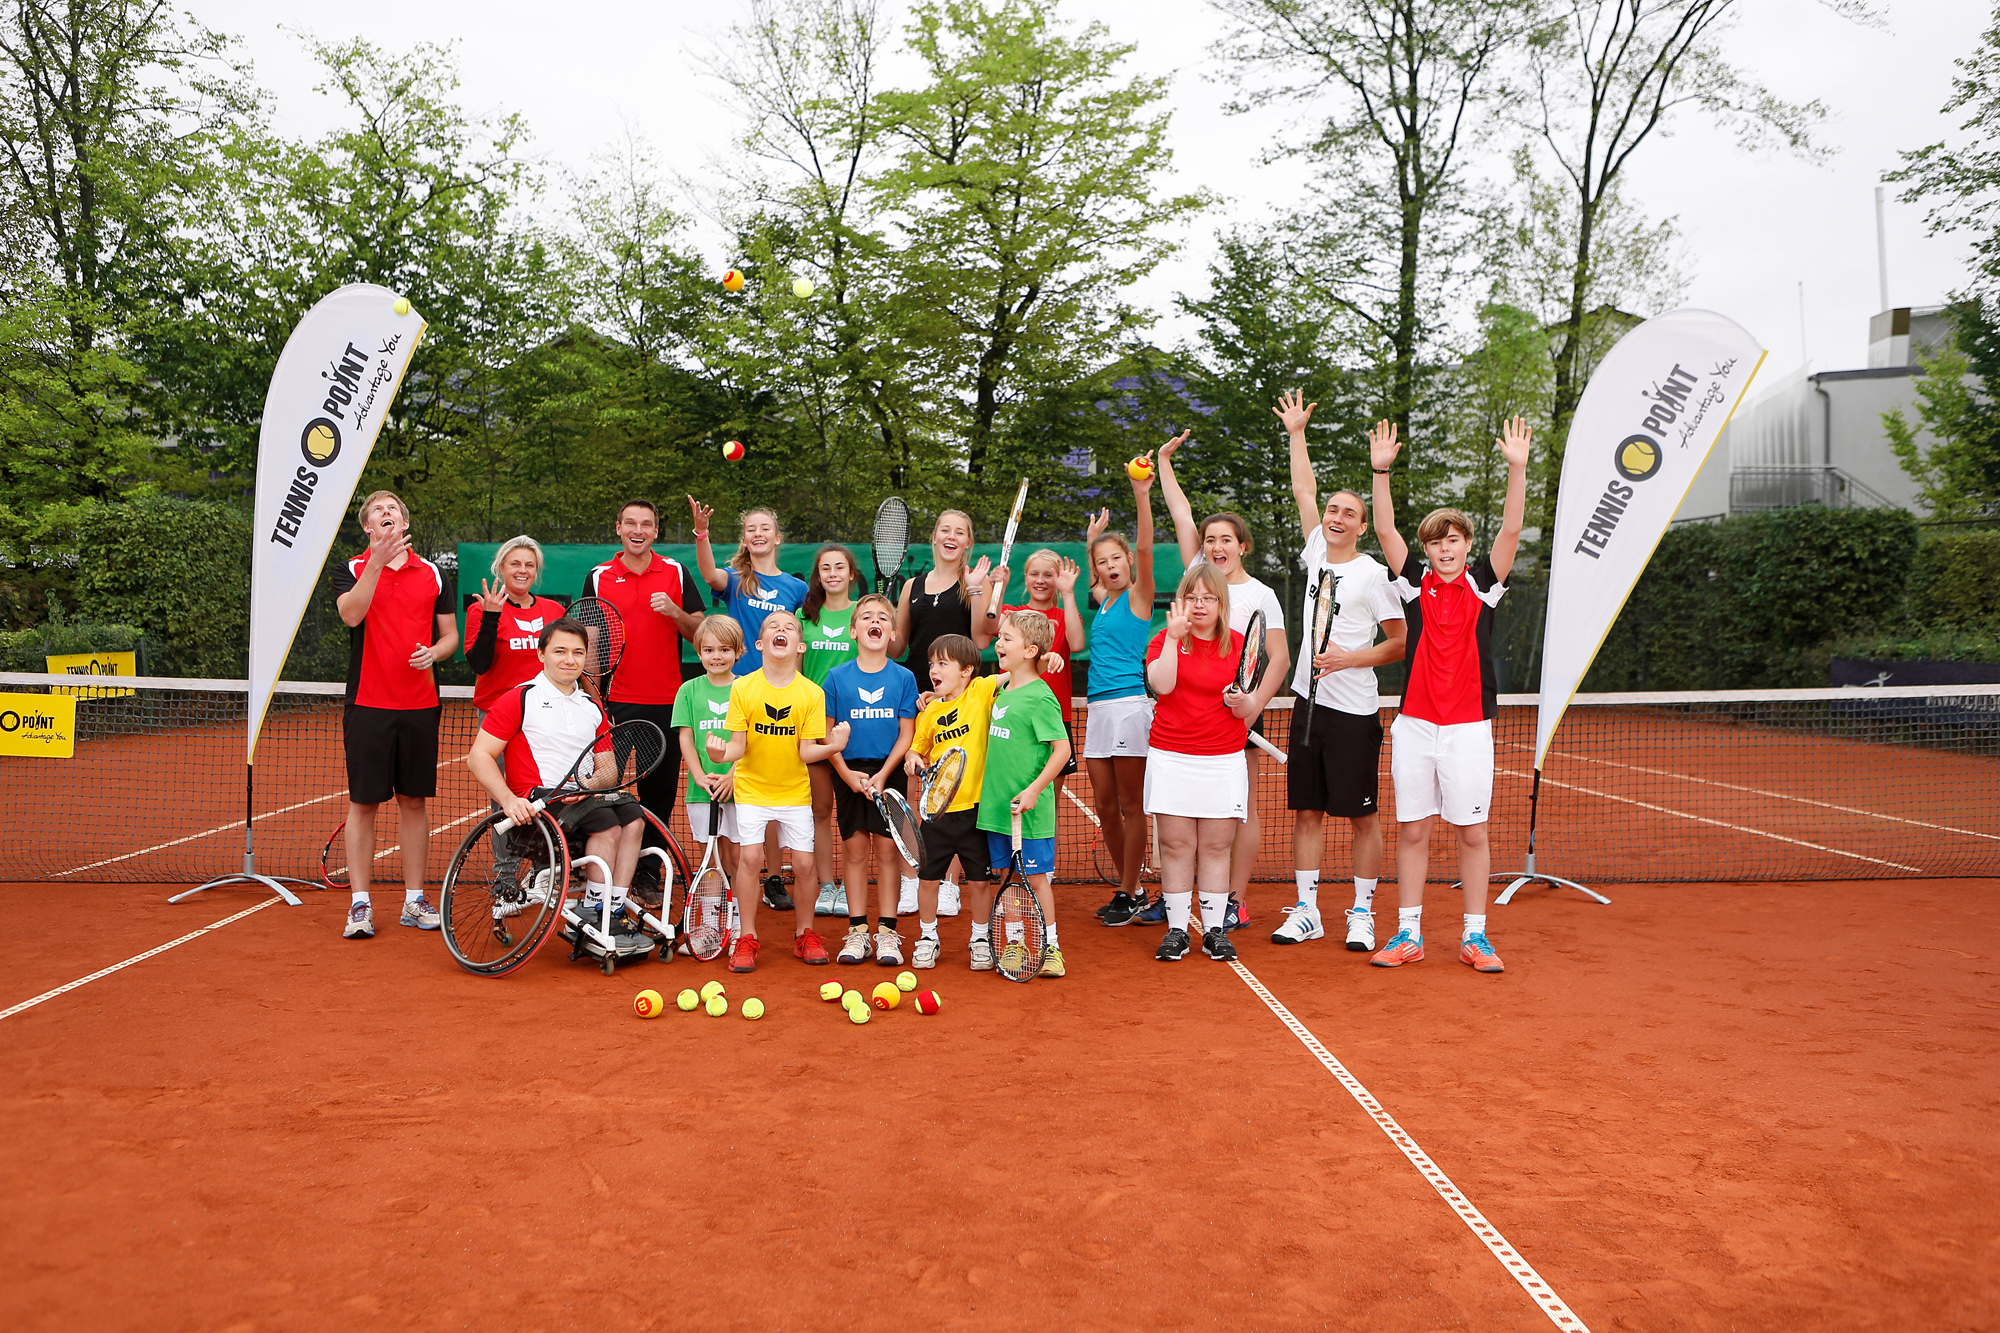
[(792, 616), (1440, 521), (746, 571), (361, 514), (1035, 627), (963, 556), (513, 544), (874, 599), (1044, 554), (1208, 576), (723, 629)]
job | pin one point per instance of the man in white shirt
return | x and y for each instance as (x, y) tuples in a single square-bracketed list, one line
[(1335, 761)]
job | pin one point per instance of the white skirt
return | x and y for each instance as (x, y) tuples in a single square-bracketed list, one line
[(1197, 786), (1117, 728)]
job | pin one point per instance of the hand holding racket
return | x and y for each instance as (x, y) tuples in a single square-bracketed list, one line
[(617, 758), (1018, 927), (1013, 526), (941, 781), (1325, 607), (708, 920), (1251, 664)]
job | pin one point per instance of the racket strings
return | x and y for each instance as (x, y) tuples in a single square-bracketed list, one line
[(942, 784)]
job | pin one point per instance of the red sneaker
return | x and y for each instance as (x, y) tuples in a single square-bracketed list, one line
[(1476, 953), (809, 948), (1402, 948), (743, 958)]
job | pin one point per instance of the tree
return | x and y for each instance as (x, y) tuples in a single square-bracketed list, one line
[(1959, 473)]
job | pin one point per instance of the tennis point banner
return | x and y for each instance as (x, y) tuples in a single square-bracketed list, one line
[(1648, 419), (335, 380), (40, 725)]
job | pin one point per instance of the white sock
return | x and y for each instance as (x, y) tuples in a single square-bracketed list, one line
[(1179, 907), (361, 895), (1213, 907), (1015, 930), (593, 893), (619, 892), (1474, 925), (928, 929), (1308, 886), (1364, 893), (982, 930), (1411, 919), (1049, 937), (411, 895)]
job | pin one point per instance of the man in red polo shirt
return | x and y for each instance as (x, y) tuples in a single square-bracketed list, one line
[(400, 622), (660, 602)]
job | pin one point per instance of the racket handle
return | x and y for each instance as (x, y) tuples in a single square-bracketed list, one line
[(1017, 830), (1268, 748), (506, 824)]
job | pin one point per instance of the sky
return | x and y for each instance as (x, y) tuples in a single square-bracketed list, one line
[(1784, 246)]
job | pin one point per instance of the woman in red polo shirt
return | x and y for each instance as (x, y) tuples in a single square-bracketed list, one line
[(503, 626)]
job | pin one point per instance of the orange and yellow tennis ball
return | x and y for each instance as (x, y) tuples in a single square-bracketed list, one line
[(732, 281), (1139, 469), (928, 1002), (753, 1008), (711, 989), (733, 451), (830, 992), (718, 1005), (887, 996), (857, 1013), (906, 981), (648, 1004), (687, 999)]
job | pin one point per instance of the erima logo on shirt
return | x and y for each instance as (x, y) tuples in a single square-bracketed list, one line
[(1000, 710), (774, 727), (872, 696), (777, 714), (854, 713), (718, 708), (532, 626)]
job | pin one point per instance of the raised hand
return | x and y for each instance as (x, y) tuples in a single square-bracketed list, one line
[(1383, 445), (702, 513), (1098, 523), (492, 596), (1177, 620), (1142, 485), (1067, 573), (717, 746), (1172, 447), (1515, 439), (977, 574), (1294, 411), (385, 546)]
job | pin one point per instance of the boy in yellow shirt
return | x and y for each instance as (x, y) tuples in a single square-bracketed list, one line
[(777, 725), (957, 716)]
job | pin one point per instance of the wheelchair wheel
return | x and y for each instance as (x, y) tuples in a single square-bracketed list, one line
[(502, 893), (672, 867)]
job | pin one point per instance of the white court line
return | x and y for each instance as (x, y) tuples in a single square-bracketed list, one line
[(1540, 1292), (136, 958), (1717, 823), (219, 828), (1774, 795)]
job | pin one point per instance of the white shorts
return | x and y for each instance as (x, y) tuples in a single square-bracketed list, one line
[(795, 825), (1118, 728), (1197, 786), (1445, 770), (698, 820)]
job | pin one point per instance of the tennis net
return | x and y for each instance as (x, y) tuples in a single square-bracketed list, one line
[(1783, 785)]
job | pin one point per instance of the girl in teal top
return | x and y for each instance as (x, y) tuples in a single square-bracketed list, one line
[(1116, 730), (826, 616)]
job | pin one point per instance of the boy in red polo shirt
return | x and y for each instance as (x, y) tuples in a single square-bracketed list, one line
[(660, 602), (1441, 743), (400, 622)]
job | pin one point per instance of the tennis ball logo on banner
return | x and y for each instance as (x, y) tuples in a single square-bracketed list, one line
[(1638, 458), (320, 442)]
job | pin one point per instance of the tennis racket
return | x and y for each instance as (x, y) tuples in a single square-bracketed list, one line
[(941, 782), (604, 635), (616, 758), (1325, 608), (333, 859), (1256, 656), (1017, 920), (892, 542), (903, 830), (1013, 524), (708, 923)]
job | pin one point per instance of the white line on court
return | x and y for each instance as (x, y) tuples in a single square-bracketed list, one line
[(136, 958), (1540, 1292)]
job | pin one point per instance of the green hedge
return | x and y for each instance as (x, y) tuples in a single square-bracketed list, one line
[(1956, 582), (177, 569), (30, 649)]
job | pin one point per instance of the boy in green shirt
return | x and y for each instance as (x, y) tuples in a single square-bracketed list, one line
[(701, 710), (1026, 748)]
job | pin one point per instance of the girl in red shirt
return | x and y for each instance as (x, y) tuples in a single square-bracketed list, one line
[(1197, 785), (1049, 577)]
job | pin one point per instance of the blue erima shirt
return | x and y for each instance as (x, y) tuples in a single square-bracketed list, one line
[(872, 704)]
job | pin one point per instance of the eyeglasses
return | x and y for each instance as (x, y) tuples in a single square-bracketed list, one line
[(1202, 599)]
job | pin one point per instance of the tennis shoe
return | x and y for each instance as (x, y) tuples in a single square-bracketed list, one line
[(1052, 963), (823, 905), (743, 958), (1153, 913), (1215, 943), (982, 955), (1121, 910), (906, 898), (948, 899), (888, 948), (1014, 956), (854, 949), (1234, 917), (808, 948), (1403, 947), (1301, 923), (775, 896), (1174, 947), (1478, 954), (418, 912), (1105, 910), (925, 954), (360, 922), (1360, 930)]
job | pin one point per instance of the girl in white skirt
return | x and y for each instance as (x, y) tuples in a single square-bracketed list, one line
[(1197, 786)]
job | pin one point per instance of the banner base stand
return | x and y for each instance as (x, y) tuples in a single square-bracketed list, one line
[(1530, 875), (275, 883)]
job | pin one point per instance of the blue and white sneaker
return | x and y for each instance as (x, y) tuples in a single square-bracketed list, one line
[(1301, 923), (1360, 930), (1153, 913)]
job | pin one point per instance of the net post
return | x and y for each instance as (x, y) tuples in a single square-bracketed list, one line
[(1528, 874)]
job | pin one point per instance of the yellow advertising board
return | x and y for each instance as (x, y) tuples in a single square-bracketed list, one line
[(94, 664), (42, 725)]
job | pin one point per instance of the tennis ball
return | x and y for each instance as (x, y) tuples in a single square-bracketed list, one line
[(753, 1008), (648, 1004), (857, 1013), (906, 981), (830, 991), (733, 451), (687, 999), (732, 281), (887, 996), (802, 287), (928, 1002), (711, 989), (850, 999), (402, 306), (1138, 469), (718, 1005)]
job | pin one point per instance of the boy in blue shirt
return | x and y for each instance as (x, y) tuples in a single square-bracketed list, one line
[(877, 699)]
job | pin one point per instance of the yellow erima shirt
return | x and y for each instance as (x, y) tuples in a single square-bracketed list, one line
[(961, 722), (776, 720)]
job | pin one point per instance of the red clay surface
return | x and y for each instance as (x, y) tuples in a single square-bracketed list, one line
[(1704, 1107)]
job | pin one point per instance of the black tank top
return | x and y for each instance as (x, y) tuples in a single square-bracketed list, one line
[(932, 616)]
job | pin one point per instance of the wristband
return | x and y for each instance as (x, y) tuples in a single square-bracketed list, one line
[(1383, 471)]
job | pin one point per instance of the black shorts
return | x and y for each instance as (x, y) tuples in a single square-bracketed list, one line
[(596, 814), (857, 813), (955, 833), (1069, 768), (1339, 773), (390, 752)]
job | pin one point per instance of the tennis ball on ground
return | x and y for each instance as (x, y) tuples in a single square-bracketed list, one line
[(753, 1008), (402, 306), (1138, 469), (928, 1002), (688, 999), (718, 1005), (830, 991), (906, 981), (732, 281), (802, 287), (851, 998), (648, 1004), (857, 1013), (887, 996), (733, 451), (711, 989)]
